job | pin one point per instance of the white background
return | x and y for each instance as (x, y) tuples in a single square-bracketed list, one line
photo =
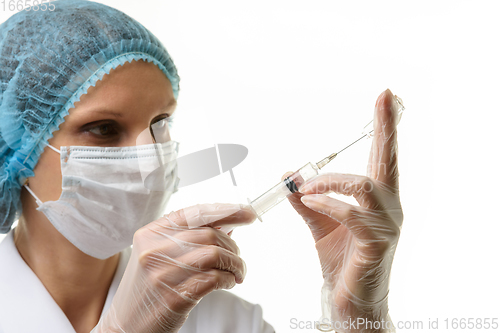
[(294, 81)]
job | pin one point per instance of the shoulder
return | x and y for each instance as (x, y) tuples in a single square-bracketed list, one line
[(223, 311)]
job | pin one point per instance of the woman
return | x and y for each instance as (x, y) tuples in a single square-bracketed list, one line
[(88, 165)]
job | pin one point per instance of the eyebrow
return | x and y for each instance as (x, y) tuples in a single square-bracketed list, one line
[(172, 103), (120, 115), (114, 113)]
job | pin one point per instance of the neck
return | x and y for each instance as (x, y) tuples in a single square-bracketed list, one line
[(77, 282)]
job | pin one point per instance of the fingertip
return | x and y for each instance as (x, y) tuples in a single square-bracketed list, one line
[(315, 202), (380, 98), (386, 108), (287, 174), (385, 99), (309, 199), (305, 189)]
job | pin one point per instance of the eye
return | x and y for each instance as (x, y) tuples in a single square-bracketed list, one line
[(159, 129), (160, 123), (105, 129)]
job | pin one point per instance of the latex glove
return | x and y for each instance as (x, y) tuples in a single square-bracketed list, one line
[(175, 261), (356, 244)]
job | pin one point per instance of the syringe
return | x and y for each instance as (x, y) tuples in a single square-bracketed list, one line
[(293, 183)]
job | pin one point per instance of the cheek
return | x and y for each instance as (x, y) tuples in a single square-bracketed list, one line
[(47, 181), (144, 138)]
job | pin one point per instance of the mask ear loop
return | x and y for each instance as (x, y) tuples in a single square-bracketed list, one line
[(54, 149), (38, 201)]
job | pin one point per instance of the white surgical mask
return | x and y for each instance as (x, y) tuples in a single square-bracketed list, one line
[(108, 193)]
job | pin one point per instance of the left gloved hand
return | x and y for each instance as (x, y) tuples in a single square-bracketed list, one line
[(356, 244)]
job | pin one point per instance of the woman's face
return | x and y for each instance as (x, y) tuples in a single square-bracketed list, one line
[(116, 112)]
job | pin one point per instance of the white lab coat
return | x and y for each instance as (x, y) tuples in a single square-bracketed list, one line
[(27, 307)]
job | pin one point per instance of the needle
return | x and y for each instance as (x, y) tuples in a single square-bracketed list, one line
[(329, 158)]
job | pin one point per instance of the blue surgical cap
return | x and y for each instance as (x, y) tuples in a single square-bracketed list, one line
[(48, 60)]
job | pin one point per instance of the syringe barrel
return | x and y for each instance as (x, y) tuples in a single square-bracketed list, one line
[(284, 188)]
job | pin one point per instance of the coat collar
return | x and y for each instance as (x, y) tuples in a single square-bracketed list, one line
[(25, 304)]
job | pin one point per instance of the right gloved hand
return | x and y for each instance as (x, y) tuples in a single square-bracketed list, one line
[(175, 261)]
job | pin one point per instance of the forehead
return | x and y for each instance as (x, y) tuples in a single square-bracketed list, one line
[(135, 86)]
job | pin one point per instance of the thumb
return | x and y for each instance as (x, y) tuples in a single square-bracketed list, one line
[(294, 198), (287, 174), (319, 224)]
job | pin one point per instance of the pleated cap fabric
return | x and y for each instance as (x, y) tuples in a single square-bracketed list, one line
[(48, 60)]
